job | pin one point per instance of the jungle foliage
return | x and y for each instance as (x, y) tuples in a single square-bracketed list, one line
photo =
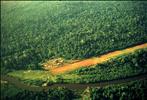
[(34, 31), (131, 91), (116, 68), (121, 67)]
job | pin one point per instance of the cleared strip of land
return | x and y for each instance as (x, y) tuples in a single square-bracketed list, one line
[(96, 60)]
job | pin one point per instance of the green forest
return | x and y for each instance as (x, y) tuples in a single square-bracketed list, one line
[(33, 32), (117, 68), (133, 91)]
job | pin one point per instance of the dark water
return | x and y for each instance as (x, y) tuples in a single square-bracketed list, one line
[(19, 84)]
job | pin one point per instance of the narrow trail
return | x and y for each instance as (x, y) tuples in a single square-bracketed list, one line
[(19, 84), (96, 60)]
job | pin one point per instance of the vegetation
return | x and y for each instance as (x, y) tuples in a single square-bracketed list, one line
[(38, 77), (10, 92), (34, 31), (133, 91), (116, 68)]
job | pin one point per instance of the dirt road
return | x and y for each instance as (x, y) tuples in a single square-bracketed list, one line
[(96, 60)]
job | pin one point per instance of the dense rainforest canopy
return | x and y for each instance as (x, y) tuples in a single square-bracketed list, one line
[(32, 32)]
